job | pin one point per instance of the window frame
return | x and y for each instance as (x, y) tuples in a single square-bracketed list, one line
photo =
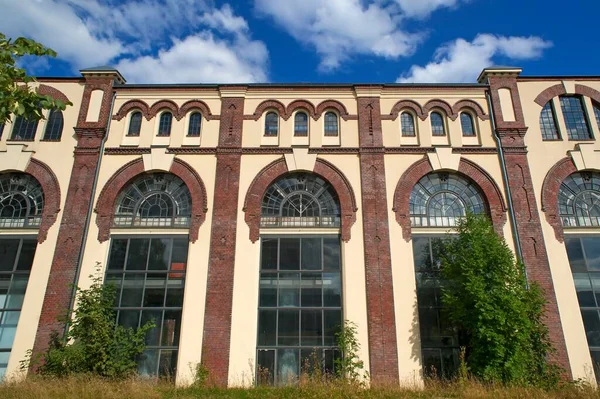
[(552, 108), (329, 133), (442, 116), (472, 119), (20, 121), (162, 130), (305, 132), (189, 123), (584, 113), (51, 129), (129, 123), (268, 127), (414, 123)]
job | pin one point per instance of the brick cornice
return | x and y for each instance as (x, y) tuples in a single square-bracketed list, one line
[(552, 182)]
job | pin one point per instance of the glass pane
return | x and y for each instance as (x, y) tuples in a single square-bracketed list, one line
[(592, 326), (289, 289), (26, 256), (432, 362), (170, 328), (596, 354), (311, 254), (287, 366), (118, 250), (8, 254), (180, 253), (331, 253), (174, 292), (429, 326), (133, 287), (421, 252), (8, 329), (426, 290), (16, 293), (160, 254), (289, 327), (167, 363), (312, 328), (268, 290), (289, 257), (138, 254), (575, 254), (595, 277), (312, 295), (148, 363), (332, 325), (154, 293), (331, 355), (266, 367), (332, 289), (153, 335), (269, 254), (129, 318), (4, 286), (267, 327), (591, 247)]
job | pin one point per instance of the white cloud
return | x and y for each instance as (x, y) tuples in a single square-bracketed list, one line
[(423, 8), (462, 61)]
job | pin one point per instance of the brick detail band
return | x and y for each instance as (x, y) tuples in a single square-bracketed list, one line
[(286, 112), (473, 106), (557, 174), (441, 104), (129, 106), (559, 90), (150, 112), (107, 201), (277, 168), (493, 195), (53, 92)]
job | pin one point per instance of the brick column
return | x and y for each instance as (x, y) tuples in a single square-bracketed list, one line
[(383, 354), (69, 243), (219, 293), (535, 258)]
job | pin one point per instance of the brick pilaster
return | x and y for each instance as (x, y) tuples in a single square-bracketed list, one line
[(219, 293), (383, 354)]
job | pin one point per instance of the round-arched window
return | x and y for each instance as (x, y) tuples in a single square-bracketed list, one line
[(154, 200), (579, 200), (21, 201), (440, 199), (300, 200)]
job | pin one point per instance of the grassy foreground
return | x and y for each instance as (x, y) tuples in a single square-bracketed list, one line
[(88, 387)]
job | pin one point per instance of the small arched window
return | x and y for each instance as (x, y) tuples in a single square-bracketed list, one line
[(575, 119), (331, 124), (21, 201), (596, 114), (548, 124), (135, 124), (24, 129), (154, 200), (467, 125), (440, 199), (407, 124), (164, 125), (195, 124), (301, 124), (437, 124), (579, 200), (54, 126), (271, 124)]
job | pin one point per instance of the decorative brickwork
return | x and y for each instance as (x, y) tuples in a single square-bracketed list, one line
[(549, 94), (195, 104), (107, 200), (130, 106), (383, 349), (403, 104), (332, 104), (557, 174), (265, 105), (588, 92), (441, 104), (473, 106), (56, 94), (219, 291), (163, 105), (493, 195), (301, 104)]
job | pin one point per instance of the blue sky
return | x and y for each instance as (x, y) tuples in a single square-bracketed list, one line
[(203, 41)]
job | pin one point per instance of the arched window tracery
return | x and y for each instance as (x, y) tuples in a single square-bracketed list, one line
[(579, 200), (21, 201)]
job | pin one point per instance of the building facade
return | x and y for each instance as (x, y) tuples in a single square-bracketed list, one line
[(249, 221)]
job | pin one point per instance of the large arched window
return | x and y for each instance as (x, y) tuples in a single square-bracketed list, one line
[(24, 129), (575, 118), (300, 200), (440, 199), (407, 124), (271, 124), (596, 114), (154, 200), (164, 125), (54, 126), (135, 124), (579, 200), (300, 124), (548, 124), (21, 201)]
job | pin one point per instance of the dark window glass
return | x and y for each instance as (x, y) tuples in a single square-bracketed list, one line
[(164, 124), (21, 201), (596, 114), (16, 259), (135, 124), (24, 129), (437, 124), (301, 124), (150, 288), (1, 129), (299, 311), (579, 200), (54, 126), (575, 119), (195, 124), (331, 124), (407, 124), (271, 124), (548, 122), (467, 125)]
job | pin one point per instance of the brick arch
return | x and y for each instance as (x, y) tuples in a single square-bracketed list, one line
[(56, 94), (549, 93), (437, 103), (131, 105), (267, 104), (410, 104), (338, 106), (107, 201), (164, 104), (301, 104), (588, 92), (556, 175), (467, 168), (195, 104), (278, 168), (473, 106)]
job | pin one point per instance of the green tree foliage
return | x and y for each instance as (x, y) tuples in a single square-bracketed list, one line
[(94, 342), (16, 94), (486, 297), (349, 366)]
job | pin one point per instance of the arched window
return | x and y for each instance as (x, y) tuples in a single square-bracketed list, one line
[(548, 124), (24, 129), (575, 119), (579, 200), (164, 125), (407, 124), (301, 124), (154, 200), (135, 124), (195, 124), (331, 124), (54, 126), (467, 125), (440, 199), (437, 124), (271, 124), (21, 201), (596, 114)]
